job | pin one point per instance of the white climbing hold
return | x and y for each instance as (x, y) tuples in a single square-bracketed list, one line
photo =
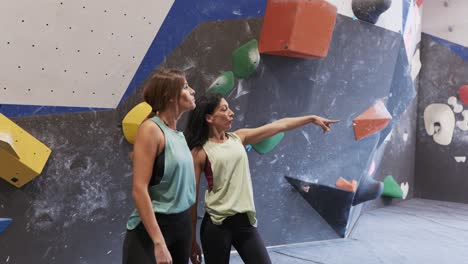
[(405, 136), (460, 158), (439, 122), (404, 188), (457, 108)]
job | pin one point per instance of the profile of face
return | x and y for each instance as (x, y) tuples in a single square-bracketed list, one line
[(186, 98), (222, 116)]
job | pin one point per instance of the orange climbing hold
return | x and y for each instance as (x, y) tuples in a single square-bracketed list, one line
[(297, 28), (371, 121), (346, 185)]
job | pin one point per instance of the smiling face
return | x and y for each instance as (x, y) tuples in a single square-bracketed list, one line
[(222, 116), (186, 98)]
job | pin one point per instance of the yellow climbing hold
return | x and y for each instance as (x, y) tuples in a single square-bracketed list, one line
[(22, 156), (133, 119)]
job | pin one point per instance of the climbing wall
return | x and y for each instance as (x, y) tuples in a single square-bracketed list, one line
[(442, 126), (340, 86), (75, 211)]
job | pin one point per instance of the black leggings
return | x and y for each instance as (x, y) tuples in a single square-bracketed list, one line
[(237, 231), (138, 248)]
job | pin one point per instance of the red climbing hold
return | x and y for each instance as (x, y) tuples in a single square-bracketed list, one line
[(463, 94)]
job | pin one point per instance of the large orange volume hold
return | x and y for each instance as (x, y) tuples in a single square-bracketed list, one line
[(297, 28)]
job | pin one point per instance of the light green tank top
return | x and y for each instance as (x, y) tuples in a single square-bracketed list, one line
[(232, 186), (176, 191)]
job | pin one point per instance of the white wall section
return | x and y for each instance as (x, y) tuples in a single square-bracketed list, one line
[(74, 53), (447, 19)]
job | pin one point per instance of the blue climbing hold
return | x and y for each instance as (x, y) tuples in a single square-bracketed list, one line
[(4, 223)]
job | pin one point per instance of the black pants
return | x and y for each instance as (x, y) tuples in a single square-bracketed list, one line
[(138, 248), (237, 231)]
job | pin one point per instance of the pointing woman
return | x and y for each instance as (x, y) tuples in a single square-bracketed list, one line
[(230, 210)]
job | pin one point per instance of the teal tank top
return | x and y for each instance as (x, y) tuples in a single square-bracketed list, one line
[(175, 192)]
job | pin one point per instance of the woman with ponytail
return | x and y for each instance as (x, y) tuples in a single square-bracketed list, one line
[(159, 230), (230, 211)]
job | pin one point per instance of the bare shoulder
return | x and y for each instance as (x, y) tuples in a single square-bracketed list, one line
[(241, 133), (150, 126), (150, 134)]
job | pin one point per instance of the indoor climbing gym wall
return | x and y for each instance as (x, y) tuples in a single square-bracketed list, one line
[(265, 79), (70, 105), (442, 120)]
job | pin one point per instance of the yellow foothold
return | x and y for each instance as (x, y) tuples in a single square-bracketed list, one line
[(22, 156), (133, 119)]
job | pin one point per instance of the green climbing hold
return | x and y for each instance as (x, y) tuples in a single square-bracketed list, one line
[(392, 188), (223, 84), (245, 59), (268, 144)]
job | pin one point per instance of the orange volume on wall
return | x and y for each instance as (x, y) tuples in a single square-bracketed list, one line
[(297, 28)]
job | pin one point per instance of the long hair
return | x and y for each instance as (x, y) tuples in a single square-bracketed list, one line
[(196, 132), (160, 87)]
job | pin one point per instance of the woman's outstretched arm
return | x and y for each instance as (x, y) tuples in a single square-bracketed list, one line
[(255, 135)]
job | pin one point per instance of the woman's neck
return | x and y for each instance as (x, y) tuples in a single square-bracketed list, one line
[(169, 118), (217, 136)]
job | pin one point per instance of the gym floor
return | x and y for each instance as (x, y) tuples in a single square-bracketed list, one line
[(414, 231)]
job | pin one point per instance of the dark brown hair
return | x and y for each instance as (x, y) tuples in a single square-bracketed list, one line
[(196, 132), (161, 86)]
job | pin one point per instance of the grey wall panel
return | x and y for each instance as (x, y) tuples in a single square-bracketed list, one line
[(75, 211)]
